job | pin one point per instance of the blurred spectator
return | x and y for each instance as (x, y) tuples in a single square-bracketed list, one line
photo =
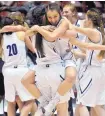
[(6, 3), (34, 12), (87, 4), (23, 11), (20, 3)]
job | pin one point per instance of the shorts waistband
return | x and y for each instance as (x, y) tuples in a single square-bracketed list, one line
[(15, 66), (49, 65)]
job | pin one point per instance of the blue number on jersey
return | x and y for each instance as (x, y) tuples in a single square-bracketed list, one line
[(12, 49)]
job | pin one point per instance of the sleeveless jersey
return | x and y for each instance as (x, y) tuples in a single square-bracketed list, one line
[(80, 37), (63, 47), (14, 52), (50, 54), (91, 55)]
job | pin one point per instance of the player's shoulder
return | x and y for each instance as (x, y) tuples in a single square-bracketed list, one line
[(80, 22), (21, 35), (64, 20)]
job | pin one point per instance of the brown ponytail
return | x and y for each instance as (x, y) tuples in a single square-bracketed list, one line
[(96, 16)]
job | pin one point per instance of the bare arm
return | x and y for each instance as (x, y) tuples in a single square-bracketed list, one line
[(51, 36), (91, 33), (91, 46), (29, 44), (13, 29), (82, 49), (30, 32), (78, 54)]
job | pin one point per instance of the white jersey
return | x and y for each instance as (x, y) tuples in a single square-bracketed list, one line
[(64, 49), (80, 37), (50, 54), (91, 55), (14, 52)]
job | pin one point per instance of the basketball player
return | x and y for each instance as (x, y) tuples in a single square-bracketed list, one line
[(70, 12), (98, 37), (54, 18), (19, 20), (15, 66), (91, 74)]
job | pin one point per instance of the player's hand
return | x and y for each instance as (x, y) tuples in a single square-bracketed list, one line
[(49, 28), (34, 28), (30, 32), (70, 24)]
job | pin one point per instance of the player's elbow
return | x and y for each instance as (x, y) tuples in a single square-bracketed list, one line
[(53, 37)]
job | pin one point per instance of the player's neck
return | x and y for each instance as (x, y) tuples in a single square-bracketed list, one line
[(74, 20)]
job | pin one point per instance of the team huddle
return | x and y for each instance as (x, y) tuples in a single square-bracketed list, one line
[(59, 41)]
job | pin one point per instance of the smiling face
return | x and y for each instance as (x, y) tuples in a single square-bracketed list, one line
[(67, 12), (53, 17)]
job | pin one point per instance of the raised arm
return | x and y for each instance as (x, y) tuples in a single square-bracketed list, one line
[(30, 32), (91, 46), (52, 36), (91, 33), (13, 29), (74, 41)]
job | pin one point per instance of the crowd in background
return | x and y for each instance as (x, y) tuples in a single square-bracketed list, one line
[(27, 8)]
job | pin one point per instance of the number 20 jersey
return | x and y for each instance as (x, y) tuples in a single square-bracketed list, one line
[(14, 52)]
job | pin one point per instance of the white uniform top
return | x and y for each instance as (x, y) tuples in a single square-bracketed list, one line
[(64, 49), (14, 52), (91, 55), (50, 54), (80, 37)]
